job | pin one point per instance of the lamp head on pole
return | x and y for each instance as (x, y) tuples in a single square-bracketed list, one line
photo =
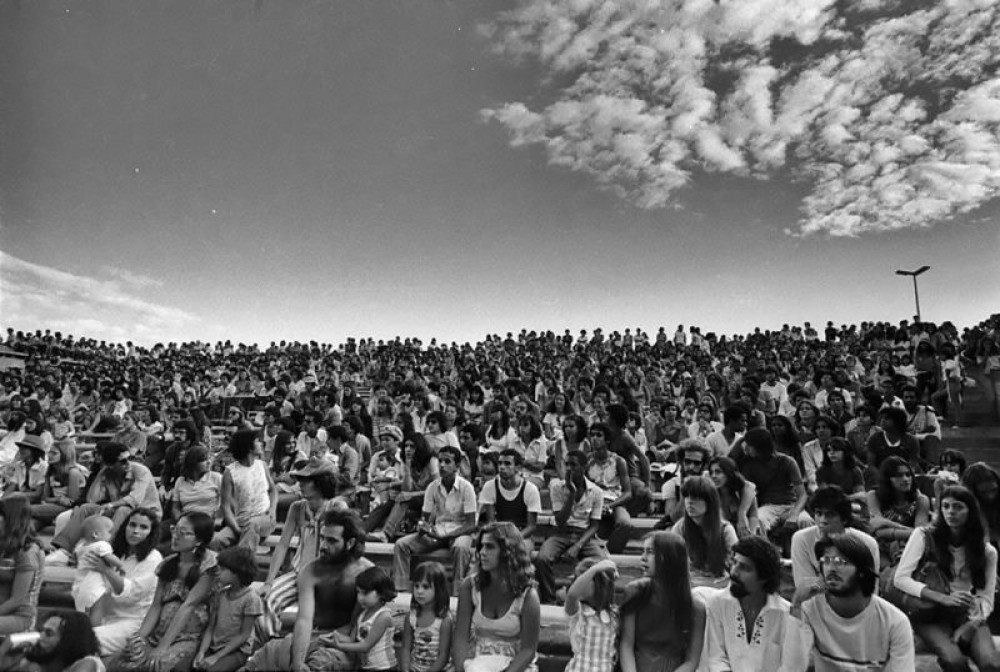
[(922, 269)]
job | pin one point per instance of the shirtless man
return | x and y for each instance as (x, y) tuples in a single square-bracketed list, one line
[(327, 599)]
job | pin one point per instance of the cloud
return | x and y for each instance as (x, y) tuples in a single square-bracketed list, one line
[(135, 279), (890, 109), (33, 296)]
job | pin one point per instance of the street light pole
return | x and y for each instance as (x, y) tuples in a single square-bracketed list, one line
[(916, 292)]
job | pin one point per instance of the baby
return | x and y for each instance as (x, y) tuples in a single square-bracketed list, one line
[(93, 550)]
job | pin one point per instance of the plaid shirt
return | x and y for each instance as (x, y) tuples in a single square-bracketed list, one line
[(593, 637)]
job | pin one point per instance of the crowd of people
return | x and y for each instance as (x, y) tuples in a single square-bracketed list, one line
[(822, 445)]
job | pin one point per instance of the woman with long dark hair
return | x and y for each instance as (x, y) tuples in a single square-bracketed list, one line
[(500, 435), (130, 595), (707, 536), (199, 488), (840, 468), (498, 617), (737, 496), (171, 630), (663, 626), (984, 482), (957, 541), (22, 558), (420, 468), (786, 439), (896, 507)]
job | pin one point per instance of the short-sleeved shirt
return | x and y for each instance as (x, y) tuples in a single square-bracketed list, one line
[(230, 612), (29, 560), (449, 508), (588, 508), (775, 477)]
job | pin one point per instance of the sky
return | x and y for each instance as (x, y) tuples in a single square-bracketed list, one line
[(258, 171)]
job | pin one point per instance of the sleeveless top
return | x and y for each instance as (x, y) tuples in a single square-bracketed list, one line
[(498, 636), (513, 510), (249, 490), (382, 656), (426, 642)]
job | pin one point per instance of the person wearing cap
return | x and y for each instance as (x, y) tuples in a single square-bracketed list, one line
[(30, 469), (120, 486), (318, 483)]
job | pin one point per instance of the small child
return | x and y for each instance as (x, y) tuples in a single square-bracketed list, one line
[(427, 631), (383, 474), (233, 610), (93, 551), (372, 634), (593, 618)]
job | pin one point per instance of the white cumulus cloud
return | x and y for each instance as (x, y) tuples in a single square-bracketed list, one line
[(34, 296), (890, 109)]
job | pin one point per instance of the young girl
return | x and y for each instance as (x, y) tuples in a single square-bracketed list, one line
[(371, 636), (233, 610), (593, 617), (427, 631)]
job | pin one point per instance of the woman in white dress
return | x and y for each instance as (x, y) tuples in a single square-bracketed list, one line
[(131, 594)]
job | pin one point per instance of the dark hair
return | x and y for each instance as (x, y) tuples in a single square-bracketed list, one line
[(241, 444), (973, 538), (439, 418), (20, 530), (604, 584), (111, 452), (375, 578), (673, 578), (354, 528), (119, 545), (844, 446), (497, 430), (857, 553), (705, 544), (765, 558), (76, 637), (451, 450), (885, 493), (953, 456), (897, 415), (240, 561), (204, 529), (435, 574), (735, 481), (577, 455), (733, 413), (760, 440), (325, 481), (835, 427), (513, 454), (581, 427), (422, 452), (605, 431), (516, 573), (832, 498), (337, 432), (194, 456), (618, 415), (535, 428), (474, 430)]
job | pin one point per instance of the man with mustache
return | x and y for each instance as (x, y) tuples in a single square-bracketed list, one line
[(847, 627), (745, 625), (326, 597)]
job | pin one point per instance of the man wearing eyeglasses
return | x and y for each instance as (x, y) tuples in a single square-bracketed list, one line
[(846, 626), (693, 455)]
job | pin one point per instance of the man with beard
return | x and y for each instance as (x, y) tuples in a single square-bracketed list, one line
[(745, 626), (67, 644), (326, 597), (692, 456), (847, 627)]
